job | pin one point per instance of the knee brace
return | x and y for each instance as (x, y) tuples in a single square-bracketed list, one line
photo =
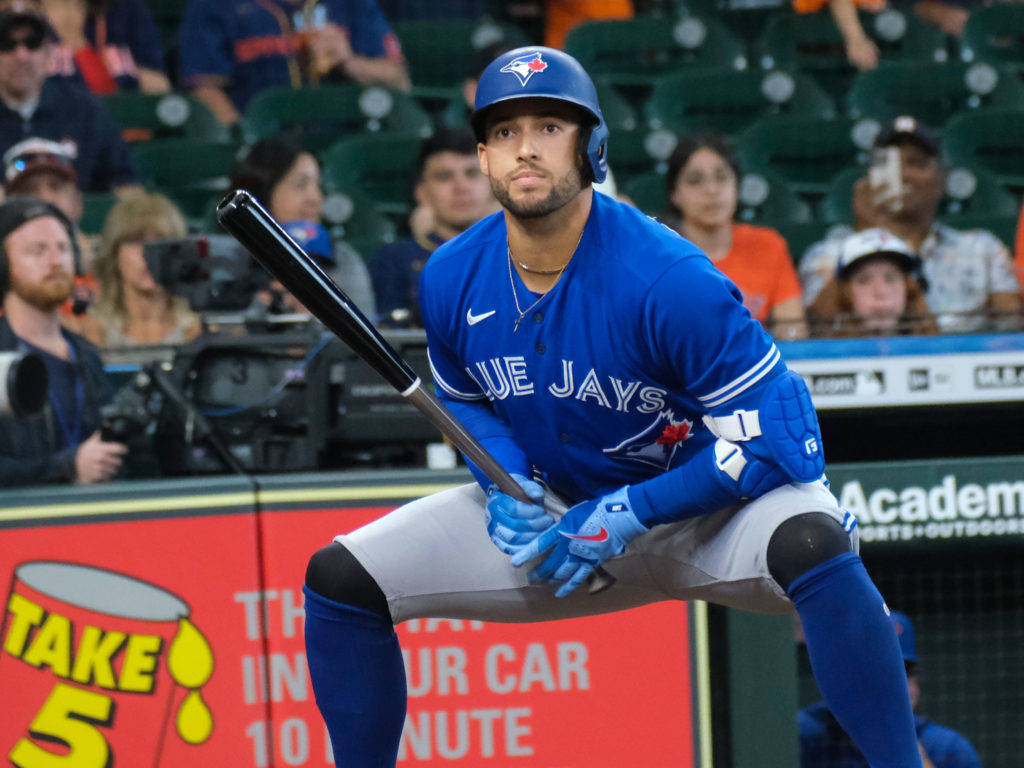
[(333, 572), (803, 542)]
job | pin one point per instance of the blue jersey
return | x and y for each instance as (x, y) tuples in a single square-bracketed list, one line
[(252, 42), (606, 380), (824, 744)]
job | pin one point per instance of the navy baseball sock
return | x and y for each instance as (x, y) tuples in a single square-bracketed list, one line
[(856, 660), (358, 679)]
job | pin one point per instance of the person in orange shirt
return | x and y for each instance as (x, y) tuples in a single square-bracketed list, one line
[(1018, 249), (562, 15), (702, 189)]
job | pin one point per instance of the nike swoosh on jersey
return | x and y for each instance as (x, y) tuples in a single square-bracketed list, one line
[(474, 319), (601, 535)]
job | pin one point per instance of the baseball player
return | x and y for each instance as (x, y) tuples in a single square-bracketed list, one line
[(601, 358)]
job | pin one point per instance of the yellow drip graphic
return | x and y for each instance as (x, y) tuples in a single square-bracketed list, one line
[(190, 661), (194, 723)]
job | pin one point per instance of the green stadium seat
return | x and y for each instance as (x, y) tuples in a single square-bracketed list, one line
[(932, 92), (726, 101), (990, 139), (746, 19), (638, 151), (800, 237), (167, 16), (318, 117), (805, 153), (639, 50), (767, 200), (146, 117), (647, 192), (380, 167), (971, 194), (353, 218), (95, 206), (185, 163), (995, 33), (444, 53), (812, 43)]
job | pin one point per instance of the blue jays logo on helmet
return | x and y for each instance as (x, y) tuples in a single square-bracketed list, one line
[(525, 67)]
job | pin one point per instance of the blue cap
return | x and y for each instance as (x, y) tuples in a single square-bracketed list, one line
[(313, 239), (905, 633)]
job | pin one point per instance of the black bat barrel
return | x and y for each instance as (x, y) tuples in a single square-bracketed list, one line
[(241, 214)]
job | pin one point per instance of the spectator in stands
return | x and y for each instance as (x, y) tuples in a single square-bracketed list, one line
[(63, 442), (824, 744), (562, 15), (969, 274), (861, 50), (702, 189), (231, 49), (417, 10), (876, 290), (286, 179), (134, 310), (33, 104), (45, 169), (113, 45), (950, 17), (452, 195), (1018, 249)]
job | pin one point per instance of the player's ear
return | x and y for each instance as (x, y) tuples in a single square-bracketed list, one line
[(481, 153), (418, 194)]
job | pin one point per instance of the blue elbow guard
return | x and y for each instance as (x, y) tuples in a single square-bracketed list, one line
[(787, 425)]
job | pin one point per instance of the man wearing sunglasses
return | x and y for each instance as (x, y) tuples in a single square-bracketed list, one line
[(31, 104)]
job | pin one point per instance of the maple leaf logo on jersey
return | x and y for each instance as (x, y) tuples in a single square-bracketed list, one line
[(525, 67), (656, 445)]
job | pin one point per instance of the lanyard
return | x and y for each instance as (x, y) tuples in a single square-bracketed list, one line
[(70, 423)]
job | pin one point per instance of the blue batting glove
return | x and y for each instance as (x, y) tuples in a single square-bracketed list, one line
[(586, 536), (512, 524)]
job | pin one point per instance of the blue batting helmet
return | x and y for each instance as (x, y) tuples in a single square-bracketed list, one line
[(539, 72)]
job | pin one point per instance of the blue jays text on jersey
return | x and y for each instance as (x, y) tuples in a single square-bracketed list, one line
[(607, 378)]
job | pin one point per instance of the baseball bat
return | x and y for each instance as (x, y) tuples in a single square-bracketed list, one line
[(241, 214)]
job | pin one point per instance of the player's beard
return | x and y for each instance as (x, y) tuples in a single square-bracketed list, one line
[(564, 190), (47, 294)]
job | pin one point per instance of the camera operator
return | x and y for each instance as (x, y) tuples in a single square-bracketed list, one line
[(63, 442)]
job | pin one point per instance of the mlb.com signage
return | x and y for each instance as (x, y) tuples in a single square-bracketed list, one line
[(902, 501)]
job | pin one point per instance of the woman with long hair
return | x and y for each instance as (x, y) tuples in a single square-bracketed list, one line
[(877, 291), (702, 189), (133, 309), (286, 180)]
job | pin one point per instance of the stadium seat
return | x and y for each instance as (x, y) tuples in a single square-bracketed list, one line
[(638, 50), (746, 19), (727, 101), (353, 218), (767, 200), (805, 153), (970, 193), (638, 151), (932, 92), (444, 53), (647, 192), (995, 33), (145, 117), (812, 43), (318, 117), (990, 139), (189, 172), (380, 167), (95, 206), (800, 237)]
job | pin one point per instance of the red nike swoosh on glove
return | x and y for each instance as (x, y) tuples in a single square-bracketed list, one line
[(601, 535)]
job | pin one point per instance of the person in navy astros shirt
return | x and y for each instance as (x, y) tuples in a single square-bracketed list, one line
[(231, 49), (34, 104)]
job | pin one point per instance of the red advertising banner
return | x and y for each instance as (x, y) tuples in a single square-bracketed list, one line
[(177, 641)]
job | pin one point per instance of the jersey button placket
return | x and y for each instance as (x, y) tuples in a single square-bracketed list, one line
[(539, 346)]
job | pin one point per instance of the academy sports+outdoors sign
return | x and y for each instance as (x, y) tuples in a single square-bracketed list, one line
[(938, 499)]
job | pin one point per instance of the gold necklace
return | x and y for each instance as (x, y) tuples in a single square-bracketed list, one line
[(512, 282)]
